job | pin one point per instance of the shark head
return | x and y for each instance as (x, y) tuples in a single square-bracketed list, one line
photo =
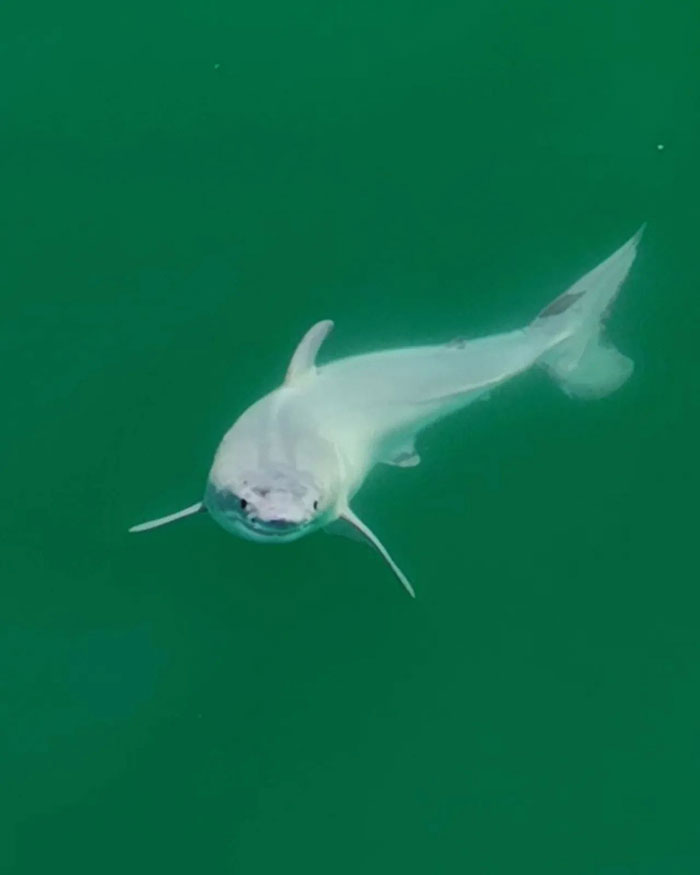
[(274, 504), (281, 471)]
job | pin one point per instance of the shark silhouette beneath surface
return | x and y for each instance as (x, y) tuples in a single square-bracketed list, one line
[(292, 462)]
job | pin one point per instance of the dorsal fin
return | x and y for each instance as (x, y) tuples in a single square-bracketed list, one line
[(304, 359)]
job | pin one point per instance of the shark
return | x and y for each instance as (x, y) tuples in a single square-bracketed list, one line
[(293, 461)]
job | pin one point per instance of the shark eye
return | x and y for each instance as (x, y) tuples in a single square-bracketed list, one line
[(315, 505), (243, 503)]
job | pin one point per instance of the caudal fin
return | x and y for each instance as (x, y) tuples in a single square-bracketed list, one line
[(584, 363), (600, 370)]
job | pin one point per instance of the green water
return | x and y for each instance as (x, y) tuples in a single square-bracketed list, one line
[(187, 187)]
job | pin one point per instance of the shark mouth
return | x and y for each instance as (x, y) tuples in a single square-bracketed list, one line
[(273, 527)]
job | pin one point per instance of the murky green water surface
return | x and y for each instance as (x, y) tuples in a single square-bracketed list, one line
[(187, 187)]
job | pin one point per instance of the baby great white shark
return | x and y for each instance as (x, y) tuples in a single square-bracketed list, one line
[(291, 463)]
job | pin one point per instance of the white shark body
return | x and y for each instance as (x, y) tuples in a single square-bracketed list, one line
[(292, 462)]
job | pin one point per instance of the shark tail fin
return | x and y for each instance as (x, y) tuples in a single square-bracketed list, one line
[(600, 370), (584, 363)]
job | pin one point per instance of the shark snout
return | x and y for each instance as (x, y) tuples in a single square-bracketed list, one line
[(277, 509), (277, 504)]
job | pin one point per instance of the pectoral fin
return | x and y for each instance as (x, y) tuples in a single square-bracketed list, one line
[(164, 520), (346, 530), (349, 517)]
